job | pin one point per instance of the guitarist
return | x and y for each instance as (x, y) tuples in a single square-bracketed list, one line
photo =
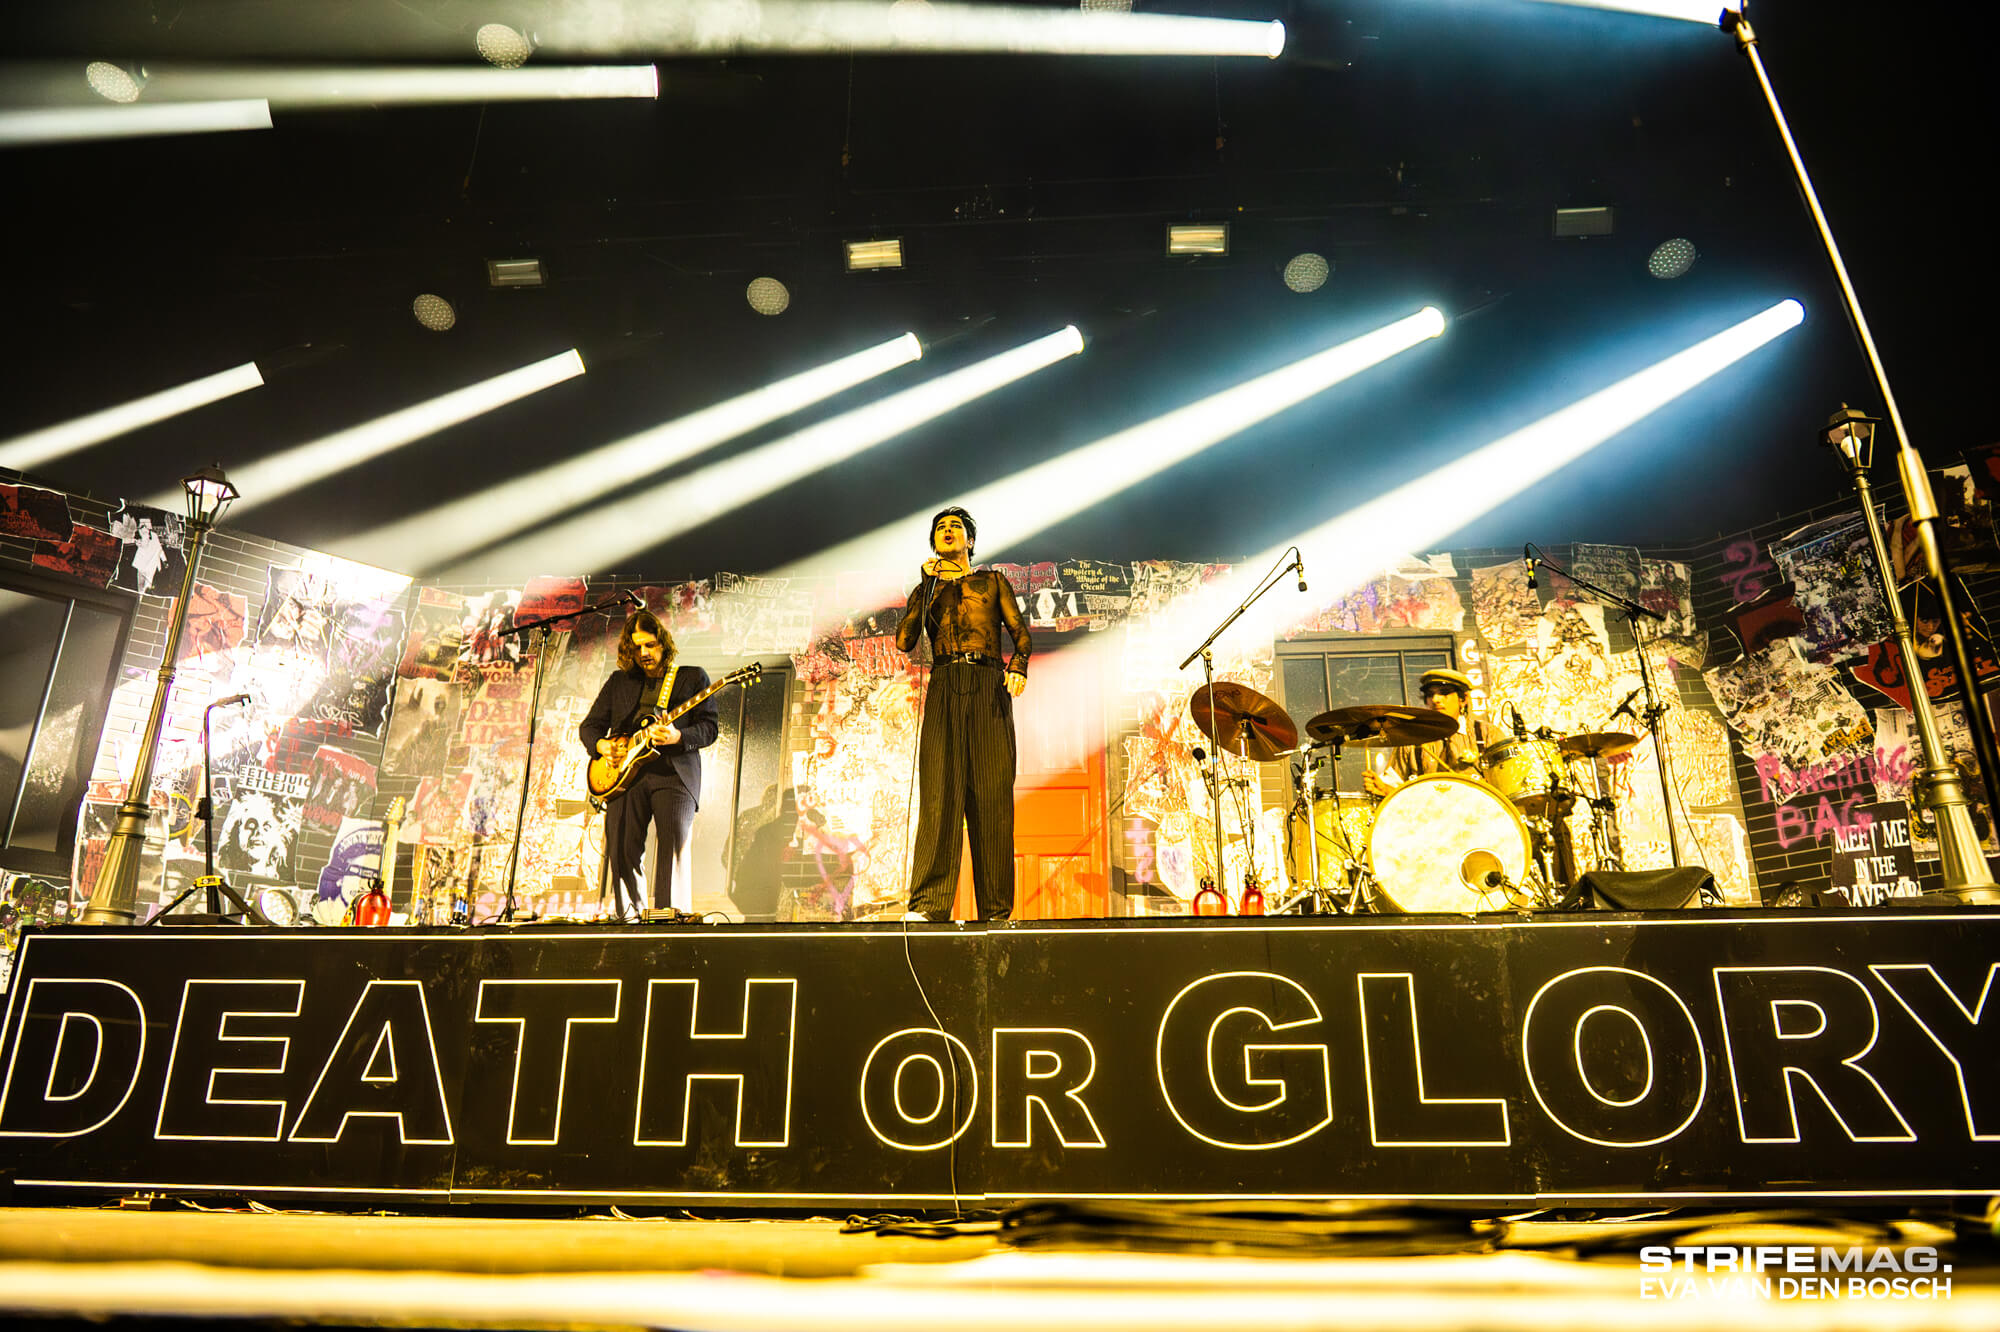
[(666, 791)]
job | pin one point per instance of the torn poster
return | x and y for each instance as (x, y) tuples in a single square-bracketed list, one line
[(1831, 566), (1779, 703)]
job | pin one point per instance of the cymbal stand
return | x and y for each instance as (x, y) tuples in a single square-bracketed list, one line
[(1604, 840), (1654, 709), (1269, 581), (1249, 799)]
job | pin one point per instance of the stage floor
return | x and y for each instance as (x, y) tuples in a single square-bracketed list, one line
[(66, 1264)]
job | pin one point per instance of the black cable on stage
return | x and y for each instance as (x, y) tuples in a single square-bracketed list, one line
[(930, 584)]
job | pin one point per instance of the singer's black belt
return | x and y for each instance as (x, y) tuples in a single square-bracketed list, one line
[(972, 658)]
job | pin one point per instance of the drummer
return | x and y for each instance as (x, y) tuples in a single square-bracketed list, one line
[(1449, 692)]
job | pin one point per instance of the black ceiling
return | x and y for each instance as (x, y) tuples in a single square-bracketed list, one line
[(1421, 145)]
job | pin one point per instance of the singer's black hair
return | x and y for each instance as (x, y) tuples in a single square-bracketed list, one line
[(971, 528)]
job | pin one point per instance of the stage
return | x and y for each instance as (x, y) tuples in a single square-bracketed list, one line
[(1502, 1062)]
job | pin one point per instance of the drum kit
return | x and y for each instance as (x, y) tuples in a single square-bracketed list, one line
[(1495, 839)]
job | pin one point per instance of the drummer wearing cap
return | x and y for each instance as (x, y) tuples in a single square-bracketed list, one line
[(1449, 692)]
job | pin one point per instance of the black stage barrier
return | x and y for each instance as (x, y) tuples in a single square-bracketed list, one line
[(1561, 1059)]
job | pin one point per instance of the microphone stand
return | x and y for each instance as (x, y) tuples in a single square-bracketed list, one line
[(1654, 709), (540, 629), (214, 885), (1264, 585)]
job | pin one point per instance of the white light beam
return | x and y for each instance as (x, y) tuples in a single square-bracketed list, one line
[(590, 542), (423, 541), (26, 452), (273, 478)]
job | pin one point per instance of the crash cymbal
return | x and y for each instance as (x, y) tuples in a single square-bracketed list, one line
[(1597, 744), (1242, 721), (1378, 725)]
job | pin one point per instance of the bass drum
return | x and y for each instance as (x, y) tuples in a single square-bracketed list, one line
[(1448, 844)]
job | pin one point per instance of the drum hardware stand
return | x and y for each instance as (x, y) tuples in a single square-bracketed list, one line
[(1604, 823), (1654, 709), (210, 882), (1269, 581), (541, 629), (1967, 878)]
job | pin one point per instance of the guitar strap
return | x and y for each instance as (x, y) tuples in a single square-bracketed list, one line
[(663, 704)]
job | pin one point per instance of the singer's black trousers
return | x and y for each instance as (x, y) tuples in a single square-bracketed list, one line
[(659, 798), (965, 767)]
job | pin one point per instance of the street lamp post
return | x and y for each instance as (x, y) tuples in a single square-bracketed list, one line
[(1962, 860), (114, 897)]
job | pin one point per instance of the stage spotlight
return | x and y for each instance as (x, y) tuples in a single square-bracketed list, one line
[(1031, 501), (501, 45), (434, 312), (275, 477), (1198, 238), (1672, 259), (1584, 222), (594, 541), (72, 124), (842, 26), (514, 272), (1307, 272), (26, 452), (425, 541), (767, 296), (863, 255), (115, 83), (1690, 11)]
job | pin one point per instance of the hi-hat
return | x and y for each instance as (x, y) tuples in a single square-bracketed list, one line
[(1378, 725), (1242, 721)]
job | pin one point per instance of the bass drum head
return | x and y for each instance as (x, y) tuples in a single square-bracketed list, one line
[(1437, 839)]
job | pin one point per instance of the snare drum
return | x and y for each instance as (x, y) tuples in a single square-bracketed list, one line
[(1439, 842), (1532, 773)]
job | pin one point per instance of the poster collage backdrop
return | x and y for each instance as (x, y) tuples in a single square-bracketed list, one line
[(1818, 698), (354, 677)]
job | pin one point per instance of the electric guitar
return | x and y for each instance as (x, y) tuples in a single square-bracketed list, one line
[(608, 776)]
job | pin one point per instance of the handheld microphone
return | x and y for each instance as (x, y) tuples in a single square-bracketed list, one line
[(632, 598), (1300, 565), (1532, 562)]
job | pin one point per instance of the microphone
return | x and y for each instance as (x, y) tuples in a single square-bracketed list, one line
[(1198, 754), (1300, 565), (1520, 724), (231, 701), (1625, 708), (1532, 562), (633, 598)]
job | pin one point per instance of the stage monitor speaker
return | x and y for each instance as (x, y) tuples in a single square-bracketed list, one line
[(1648, 890)]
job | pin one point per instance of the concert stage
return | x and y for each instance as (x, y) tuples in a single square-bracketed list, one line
[(1583, 1059)]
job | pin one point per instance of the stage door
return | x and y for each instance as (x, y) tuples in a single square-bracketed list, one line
[(1061, 869)]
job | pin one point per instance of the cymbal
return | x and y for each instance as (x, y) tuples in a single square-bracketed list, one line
[(1597, 744), (1242, 721), (1378, 725)]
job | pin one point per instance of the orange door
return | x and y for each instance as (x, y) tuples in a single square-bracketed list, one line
[(1060, 839)]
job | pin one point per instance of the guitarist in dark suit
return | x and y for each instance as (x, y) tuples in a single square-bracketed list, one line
[(667, 790)]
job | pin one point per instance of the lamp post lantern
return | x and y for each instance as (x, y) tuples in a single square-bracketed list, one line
[(114, 897)]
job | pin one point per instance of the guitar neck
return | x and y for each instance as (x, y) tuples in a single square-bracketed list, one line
[(696, 701)]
